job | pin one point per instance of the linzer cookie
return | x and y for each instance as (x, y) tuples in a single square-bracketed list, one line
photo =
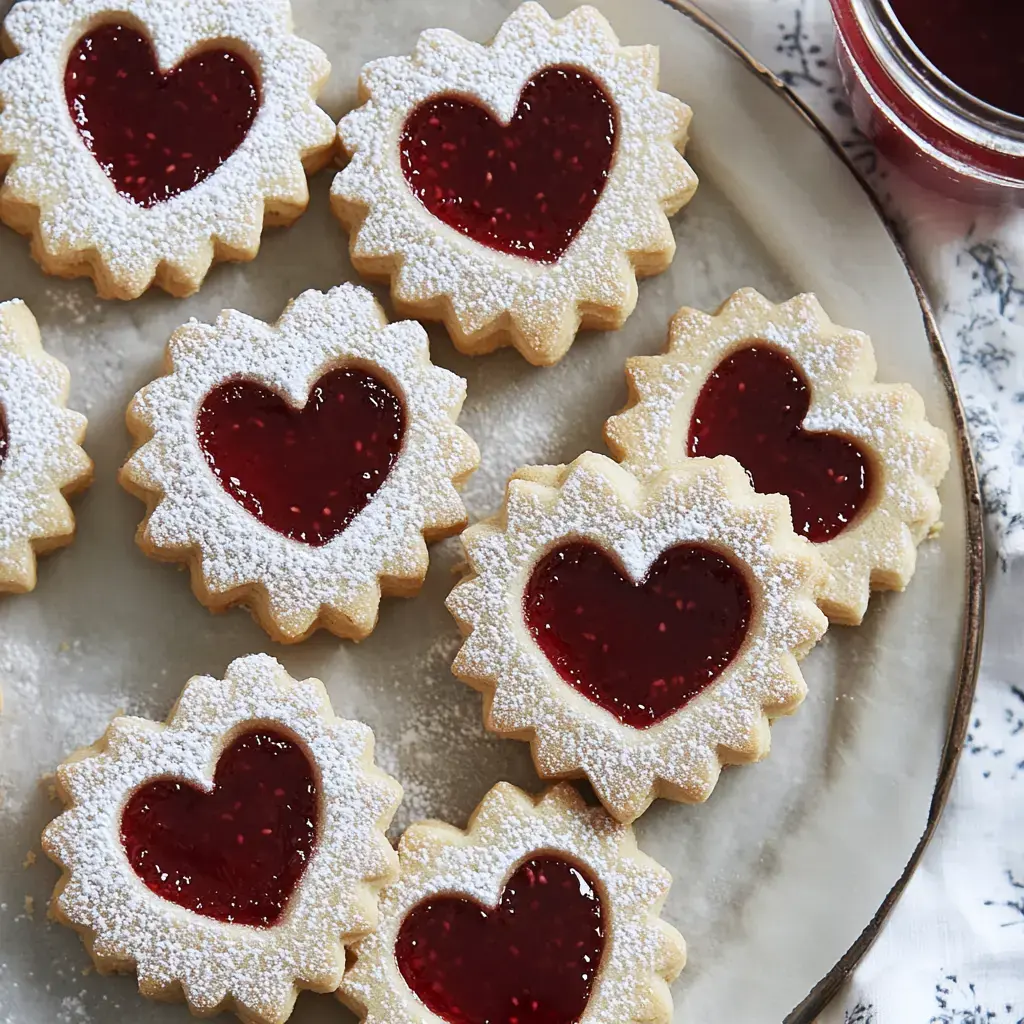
[(300, 467), (637, 634), (515, 190), (145, 139), (793, 397), (229, 855), (41, 459), (542, 910)]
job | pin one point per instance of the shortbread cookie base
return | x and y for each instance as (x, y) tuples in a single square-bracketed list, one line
[(642, 954), (56, 471), (705, 501), (357, 624), (290, 588), (270, 191), (19, 571), (486, 298), (180, 279), (507, 331), (181, 956)]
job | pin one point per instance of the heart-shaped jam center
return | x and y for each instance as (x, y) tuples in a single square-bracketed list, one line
[(525, 188), (752, 408), (237, 853), (530, 960), (306, 473), (638, 650), (156, 135)]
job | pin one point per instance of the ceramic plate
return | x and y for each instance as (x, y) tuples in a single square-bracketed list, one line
[(778, 875)]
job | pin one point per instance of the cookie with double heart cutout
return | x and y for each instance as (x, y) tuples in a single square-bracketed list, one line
[(543, 909), (299, 468), (794, 398), (145, 139), (515, 190), (41, 459), (640, 635), (229, 855)]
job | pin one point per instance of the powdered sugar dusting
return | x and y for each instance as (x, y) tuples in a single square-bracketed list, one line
[(432, 747), (487, 297), (506, 829), (911, 456), (705, 501), (84, 224), (43, 457), (194, 514), (257, 971)]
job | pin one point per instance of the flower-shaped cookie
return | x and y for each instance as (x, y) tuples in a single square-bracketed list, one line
[(640, 635), (542, 902), (793, 397), (144, 139), (516, 189), (229, 855), (41, 461), (299, 467)]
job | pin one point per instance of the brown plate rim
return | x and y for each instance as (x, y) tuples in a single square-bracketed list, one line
[(974, 563)]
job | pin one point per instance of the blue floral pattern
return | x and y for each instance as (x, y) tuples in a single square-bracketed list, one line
[(958, 1003)]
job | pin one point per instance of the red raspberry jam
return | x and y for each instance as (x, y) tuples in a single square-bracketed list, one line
[(978, 44), (4, 435), (752, 408), (306, 473), (526, 188), (640, 651), (235, 854), (530, 960), (157, 135)]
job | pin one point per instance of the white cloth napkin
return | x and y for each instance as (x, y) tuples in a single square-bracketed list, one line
[(953, 950)]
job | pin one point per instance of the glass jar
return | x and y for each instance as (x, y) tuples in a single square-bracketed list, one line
[(918, 118)]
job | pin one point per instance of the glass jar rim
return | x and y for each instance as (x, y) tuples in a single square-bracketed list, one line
[(930, 89)]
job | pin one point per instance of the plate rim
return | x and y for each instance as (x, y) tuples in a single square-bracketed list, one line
[(822, 993)]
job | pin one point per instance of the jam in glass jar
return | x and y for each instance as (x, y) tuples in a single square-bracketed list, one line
[(938, 85)]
